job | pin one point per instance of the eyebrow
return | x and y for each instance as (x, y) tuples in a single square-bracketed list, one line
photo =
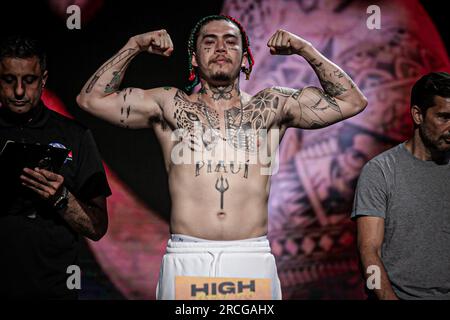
[(210, 35), (443, 114), (25, 75), (33, 76)]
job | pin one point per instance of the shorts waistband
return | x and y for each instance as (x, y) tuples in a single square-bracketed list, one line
[(183, 244), (184, 238)]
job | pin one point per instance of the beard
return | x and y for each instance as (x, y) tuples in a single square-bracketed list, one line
[(221, 77), (435, 145)]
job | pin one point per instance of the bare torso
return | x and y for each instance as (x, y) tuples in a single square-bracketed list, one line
[(219, 186), (220, 144)]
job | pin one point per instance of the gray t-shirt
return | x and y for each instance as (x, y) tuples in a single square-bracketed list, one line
[(413, 196)]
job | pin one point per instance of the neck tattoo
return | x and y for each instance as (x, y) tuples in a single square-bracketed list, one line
[(225, 93), (220, 92)]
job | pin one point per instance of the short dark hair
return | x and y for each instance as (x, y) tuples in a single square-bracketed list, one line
[(19, 46), (427, 87)]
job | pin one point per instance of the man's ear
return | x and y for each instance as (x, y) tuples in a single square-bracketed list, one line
[(244, 68), (44, 78), (194, 60), (244, 60), (416, 115)]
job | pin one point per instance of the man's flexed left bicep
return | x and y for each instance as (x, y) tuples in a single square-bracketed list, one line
[(312, 108)]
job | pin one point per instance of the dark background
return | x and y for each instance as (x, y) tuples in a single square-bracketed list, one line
[(74, 55)]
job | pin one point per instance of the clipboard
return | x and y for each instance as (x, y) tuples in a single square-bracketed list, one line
[(18, 155)]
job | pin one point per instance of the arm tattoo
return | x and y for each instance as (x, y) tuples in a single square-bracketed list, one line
[(125, 111), (285, 92), (332, 88), (296, 94), (318, 109), (113, 85), (288, 92), (127, 55), (83, 217), (329, 99)]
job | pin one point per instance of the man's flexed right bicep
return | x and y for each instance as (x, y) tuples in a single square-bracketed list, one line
[(129, 107)]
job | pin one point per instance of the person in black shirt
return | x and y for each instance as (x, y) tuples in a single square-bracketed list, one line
[(41, 220)]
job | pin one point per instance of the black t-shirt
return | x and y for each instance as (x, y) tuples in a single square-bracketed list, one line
[(36, 244)]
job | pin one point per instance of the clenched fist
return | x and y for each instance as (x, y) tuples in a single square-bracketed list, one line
[(285, 43), (157, 42)]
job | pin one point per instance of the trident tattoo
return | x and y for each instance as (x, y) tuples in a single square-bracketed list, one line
[(222, 188)]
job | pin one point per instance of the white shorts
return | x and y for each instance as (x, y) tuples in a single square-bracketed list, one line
[(193, 257)]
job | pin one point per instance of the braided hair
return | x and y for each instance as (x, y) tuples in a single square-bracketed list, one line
[(194, 78)]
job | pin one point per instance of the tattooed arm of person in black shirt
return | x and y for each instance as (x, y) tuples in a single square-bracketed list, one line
[(88, 218)]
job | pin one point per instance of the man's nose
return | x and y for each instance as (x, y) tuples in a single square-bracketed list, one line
[(220, 46), (19, 90)]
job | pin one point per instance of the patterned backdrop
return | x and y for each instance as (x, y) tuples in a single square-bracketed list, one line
[(311, 234), (310, 231)]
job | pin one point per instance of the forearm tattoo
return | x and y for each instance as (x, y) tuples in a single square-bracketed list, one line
[(329, 79), (83, 217), (126, 55)]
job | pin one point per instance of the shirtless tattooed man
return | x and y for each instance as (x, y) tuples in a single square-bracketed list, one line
[(219, 145)]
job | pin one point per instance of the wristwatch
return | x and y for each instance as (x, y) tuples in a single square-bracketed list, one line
[(63, 200)]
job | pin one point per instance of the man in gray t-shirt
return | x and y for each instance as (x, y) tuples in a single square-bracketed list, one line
[(402, 203)]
